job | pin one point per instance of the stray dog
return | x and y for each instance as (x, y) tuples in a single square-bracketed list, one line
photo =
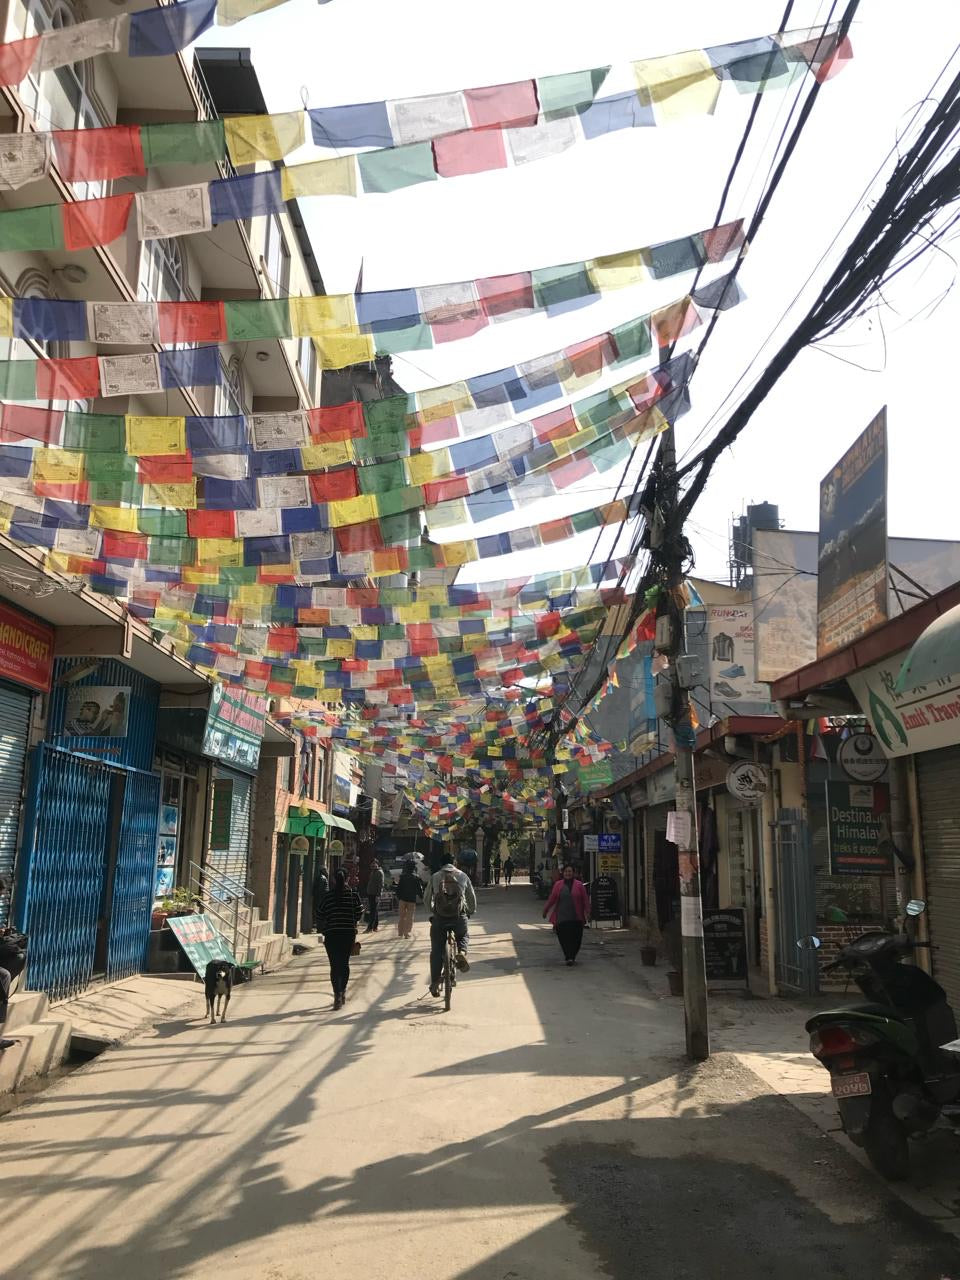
[(218, 983)]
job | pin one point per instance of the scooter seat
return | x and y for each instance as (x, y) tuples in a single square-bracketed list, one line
[(851, 1011)]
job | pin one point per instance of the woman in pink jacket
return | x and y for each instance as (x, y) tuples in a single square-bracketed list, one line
[(569, 909)]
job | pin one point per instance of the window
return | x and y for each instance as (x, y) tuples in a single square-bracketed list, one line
[(63, 98), (307, 360), (163, 277), (276, 257), (229, 398)]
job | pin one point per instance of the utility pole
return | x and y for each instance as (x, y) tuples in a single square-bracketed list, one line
[(670, 546)]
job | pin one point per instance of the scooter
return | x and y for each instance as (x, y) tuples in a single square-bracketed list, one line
[(889, 1068)]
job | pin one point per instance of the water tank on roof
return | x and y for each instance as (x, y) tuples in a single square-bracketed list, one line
[(764, 515)]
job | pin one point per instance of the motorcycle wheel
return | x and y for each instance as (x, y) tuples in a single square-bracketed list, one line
[(885, 1142)]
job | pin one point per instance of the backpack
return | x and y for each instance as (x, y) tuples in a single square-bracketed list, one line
[(448, 901)]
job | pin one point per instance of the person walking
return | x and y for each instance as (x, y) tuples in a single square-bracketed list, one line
[(338, 917), (497, 868), (321, 887), (374, 890), (508, 871), (409, 893), (569, 909)]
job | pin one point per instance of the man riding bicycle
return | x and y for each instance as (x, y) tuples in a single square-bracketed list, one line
[(449, 899)]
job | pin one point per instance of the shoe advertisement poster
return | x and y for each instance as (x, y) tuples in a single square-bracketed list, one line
[(734, 689)]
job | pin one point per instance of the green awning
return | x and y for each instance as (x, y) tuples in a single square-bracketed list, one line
[(316, 822), (334, 820)]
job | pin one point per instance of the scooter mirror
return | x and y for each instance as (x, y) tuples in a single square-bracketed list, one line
[(916, 907), (810, 943)]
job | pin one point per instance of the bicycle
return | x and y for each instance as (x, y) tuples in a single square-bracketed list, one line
[(449, 968)]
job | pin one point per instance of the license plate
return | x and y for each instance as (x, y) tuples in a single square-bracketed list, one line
[(851, 1086)]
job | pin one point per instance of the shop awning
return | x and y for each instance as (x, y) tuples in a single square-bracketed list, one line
[(935, 654), (315, 821)]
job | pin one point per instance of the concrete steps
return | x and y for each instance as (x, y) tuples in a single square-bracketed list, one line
[(43, 1040)]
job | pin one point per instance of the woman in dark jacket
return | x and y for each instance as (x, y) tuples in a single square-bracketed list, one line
[(409, 893), (337, 918)]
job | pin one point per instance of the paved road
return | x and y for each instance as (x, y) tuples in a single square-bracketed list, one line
[(546, 1129)]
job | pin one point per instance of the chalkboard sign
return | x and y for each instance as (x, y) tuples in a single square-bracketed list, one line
[(604, 899), (725, 944)]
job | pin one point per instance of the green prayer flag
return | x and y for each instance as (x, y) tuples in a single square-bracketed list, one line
[(94, 433), (675, 256), (192, 142), (632, 339), (403, 527), (381, 477), (572, 90), (111, 467), (257, 319), (394, 501), (242, 577), (397, 167), (554, 286), (172, 551), (113, 493), (165, 524), (418, 337), (40, 227), (18, 379), (385, 417)]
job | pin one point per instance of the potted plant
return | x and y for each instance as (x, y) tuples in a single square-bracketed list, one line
[(649, 942), (179, 903)]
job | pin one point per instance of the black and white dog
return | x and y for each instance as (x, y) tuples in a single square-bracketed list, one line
[(218, 983)]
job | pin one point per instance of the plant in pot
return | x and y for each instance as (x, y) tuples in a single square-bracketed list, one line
[(649, 936), (179, 903)]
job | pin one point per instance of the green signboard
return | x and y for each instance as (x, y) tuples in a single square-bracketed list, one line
[(200, 941), (235, 726), (858, 825)]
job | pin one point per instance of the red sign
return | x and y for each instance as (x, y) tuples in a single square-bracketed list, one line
[(26, 649)]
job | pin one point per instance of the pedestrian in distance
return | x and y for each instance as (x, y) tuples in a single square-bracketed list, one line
[(374, 890), (409, 893), (321, 887), (508, 871), (338, 917), (569, 910), (497, 868)]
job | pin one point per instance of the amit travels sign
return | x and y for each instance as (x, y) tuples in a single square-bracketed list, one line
[(920, 719)]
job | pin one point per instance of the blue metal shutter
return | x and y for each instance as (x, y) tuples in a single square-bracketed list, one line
[(14, 729)]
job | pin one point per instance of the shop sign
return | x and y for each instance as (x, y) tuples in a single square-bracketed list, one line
[(335, 848), (300, 846), (609, 842), (920, 719), (662, 785), (852, 548), (591, 844), (235, 726), (26, 649), (200, 941), (861, 758), (604, 898), (609, 864), (725, 944), (97, 710), (858, 829), (748, 782)]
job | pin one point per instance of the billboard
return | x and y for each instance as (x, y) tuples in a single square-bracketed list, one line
[(733, 686), (785, 591), (852, 548)]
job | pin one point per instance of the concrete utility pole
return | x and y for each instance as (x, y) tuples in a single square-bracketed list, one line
[(671, 642)]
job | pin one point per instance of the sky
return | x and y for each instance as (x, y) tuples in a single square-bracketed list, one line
[(640, 186)]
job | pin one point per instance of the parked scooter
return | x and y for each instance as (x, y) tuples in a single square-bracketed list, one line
[(889, 1071)]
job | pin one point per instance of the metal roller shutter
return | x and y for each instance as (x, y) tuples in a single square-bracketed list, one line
[(938, 778), (232, 802), (14, 731)]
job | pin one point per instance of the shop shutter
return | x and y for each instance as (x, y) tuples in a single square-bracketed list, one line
[(14, 729), (938, 776), (235, 790)]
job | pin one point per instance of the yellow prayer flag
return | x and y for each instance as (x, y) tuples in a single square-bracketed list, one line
[(153, 437), (353, 510), (57, 466), (231, 11), (183, 497), (220, 551), (617, 270), (365, 632), (413, 613), (254, 138), (423, 467), (338, 350), (316, 317), (447, 515), (336, 177), (253, 593), (340, 649), (6, 317), (201, 577), (122, 518), (432, 595), (678, 85), (437, 403), (474, 641), (457, 553), (318, 457)]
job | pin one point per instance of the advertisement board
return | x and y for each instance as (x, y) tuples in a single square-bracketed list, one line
[(852, 547), (97, 711), (26, 649), (200, 941), (858, 829), (235, 726), (920, 719), (733, 661)]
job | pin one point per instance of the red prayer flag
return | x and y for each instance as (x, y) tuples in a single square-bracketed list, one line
[(19, 422), (191, 322), (338, 422), (63, 492), (570, 472), (475, 151), (16, 59), (433, 432), (367, 536), (503, 104), (165, 469), (719, 241), (211, 524), (331, 486), (124, 546), (443, 490), (503, 295), (556, 425), (89, 223), (76, 379), (834, 64), (89, 155), (556, 530), (591, 356)]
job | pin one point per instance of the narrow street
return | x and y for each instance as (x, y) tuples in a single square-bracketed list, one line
[(547, 1127)]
